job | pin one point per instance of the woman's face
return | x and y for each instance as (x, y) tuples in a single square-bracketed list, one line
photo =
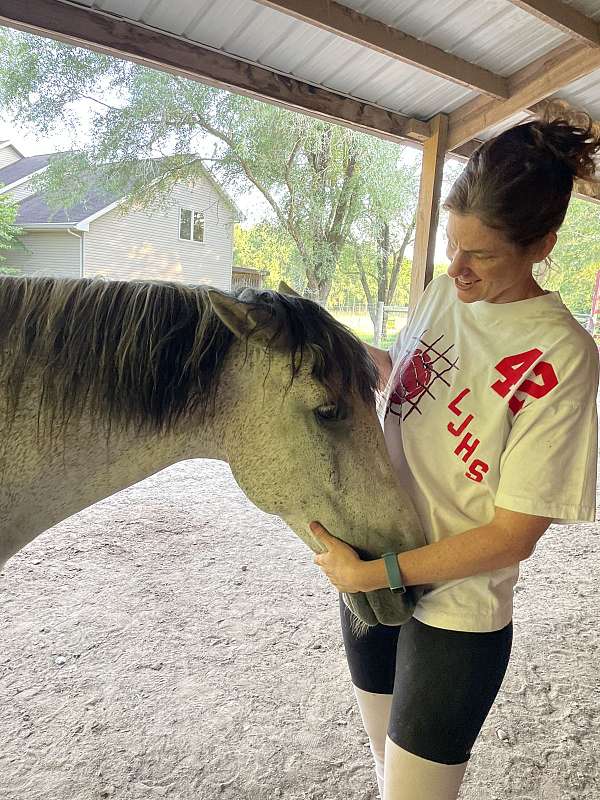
[(487, 266)]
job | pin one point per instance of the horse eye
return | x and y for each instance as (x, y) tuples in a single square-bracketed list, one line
[(329, 412)]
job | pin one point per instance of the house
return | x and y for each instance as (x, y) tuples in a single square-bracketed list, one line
[(190, 239)]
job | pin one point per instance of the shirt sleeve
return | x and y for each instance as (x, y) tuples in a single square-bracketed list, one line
[(548, 467)]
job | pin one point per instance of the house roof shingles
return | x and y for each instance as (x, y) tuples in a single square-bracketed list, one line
[(34, 209), (23, 167)]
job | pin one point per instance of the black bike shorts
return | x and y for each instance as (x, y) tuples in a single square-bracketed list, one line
[(443, 682)]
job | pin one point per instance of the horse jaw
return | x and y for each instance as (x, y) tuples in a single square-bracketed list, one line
[(291, 467)]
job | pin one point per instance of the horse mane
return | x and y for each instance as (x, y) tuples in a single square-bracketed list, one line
[(146, 353)]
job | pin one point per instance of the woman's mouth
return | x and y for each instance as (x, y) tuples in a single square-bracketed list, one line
[(464, 284)]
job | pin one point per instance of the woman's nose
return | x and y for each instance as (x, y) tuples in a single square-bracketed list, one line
[(458, 265)]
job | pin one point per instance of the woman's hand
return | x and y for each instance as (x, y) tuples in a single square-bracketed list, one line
[(341, 564)]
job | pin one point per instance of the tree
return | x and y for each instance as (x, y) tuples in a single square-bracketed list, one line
[(311, 173), (388, 224), (263, 246), (9, 232), (576, 256)]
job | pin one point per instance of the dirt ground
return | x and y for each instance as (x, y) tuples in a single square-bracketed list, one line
[(173, 641)]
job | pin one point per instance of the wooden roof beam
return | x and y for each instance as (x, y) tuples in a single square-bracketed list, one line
[(375, 35), (537, 81), (565, 18), (114, 36)]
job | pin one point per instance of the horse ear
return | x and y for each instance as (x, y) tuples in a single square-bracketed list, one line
[(285, 289), (232, 313), (239, 317)]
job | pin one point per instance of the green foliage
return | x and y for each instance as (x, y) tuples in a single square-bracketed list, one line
[(9, 232), (265, 247), (576, 257), (327, 187), (312, 174), (342, 204)]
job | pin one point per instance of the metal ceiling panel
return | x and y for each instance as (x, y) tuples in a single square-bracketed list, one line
[(493, 34), (584, 93), (132, 9)]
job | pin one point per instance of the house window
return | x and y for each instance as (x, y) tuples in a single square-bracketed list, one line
[(191, 225)]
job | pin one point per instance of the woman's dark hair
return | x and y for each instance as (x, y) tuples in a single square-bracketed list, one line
[(520, 181)]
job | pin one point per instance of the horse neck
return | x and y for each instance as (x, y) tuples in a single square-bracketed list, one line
[(42, 483)]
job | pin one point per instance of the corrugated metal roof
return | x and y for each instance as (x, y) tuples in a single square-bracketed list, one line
[(584, 93), (494, 34), (587, 7)]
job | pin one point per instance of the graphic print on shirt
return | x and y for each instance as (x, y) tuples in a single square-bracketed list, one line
[(420, 369), (513, 370)]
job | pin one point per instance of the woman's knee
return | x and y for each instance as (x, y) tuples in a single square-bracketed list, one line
[(411, 777), (375, 714)]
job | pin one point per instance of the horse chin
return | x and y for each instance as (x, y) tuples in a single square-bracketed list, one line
[(381, 606)]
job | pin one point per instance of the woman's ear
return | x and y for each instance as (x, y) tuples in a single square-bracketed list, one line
[(541, 249)]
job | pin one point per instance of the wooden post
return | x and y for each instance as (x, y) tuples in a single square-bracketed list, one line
[(378, 324), (428, 208)]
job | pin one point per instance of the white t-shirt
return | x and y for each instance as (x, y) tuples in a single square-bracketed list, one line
[(493, 405)]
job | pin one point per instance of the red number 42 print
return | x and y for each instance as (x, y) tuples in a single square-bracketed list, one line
[(512, 368)]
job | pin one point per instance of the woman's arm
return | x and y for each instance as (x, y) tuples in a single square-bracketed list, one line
[(383, 362), (509, 538)]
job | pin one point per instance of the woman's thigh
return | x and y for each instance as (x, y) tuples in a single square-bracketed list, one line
[(372, 657), (445, 685), (443, 682)]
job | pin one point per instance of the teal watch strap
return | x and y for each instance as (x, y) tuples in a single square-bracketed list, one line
[(393, 573)]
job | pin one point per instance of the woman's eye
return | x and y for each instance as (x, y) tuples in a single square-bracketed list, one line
[(331, 411)]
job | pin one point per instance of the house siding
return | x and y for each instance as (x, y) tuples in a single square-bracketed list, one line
[(8, 155), (146, 244), (55, 253)]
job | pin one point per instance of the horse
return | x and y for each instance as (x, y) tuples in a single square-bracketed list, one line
[(103, 383)]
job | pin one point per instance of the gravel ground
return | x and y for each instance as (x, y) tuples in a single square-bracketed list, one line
[(173, 641)]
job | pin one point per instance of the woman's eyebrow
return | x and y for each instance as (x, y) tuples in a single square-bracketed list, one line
[(479, 252)]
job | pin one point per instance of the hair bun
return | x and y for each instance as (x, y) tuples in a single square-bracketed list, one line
[(569, 143)]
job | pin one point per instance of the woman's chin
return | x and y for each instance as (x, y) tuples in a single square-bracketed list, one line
[(467, 293)]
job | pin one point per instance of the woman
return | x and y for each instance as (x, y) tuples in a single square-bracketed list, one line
[(492, 426)]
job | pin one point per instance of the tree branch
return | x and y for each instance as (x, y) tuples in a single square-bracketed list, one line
[(288, 168)]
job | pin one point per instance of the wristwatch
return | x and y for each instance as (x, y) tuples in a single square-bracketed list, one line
[(393, 572)]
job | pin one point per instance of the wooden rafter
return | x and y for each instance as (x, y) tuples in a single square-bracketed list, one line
[(529, 85), (117, 37), (375, 35), (565, 18)]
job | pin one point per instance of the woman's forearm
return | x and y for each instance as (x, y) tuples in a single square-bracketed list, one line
[(481, 549)]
